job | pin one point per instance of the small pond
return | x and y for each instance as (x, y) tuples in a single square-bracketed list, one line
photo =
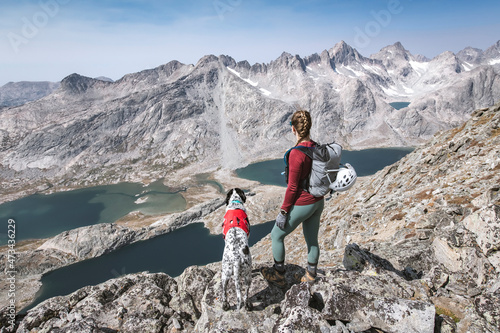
[(399, 105)]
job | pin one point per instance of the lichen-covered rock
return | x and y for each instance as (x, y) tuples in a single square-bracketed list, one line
[(488, 306), (302, 319), (338, 301), (485, 225), (133, 303), (298, 295), (297, 315), (264, 298), (361, 260), (384, 301), (192, 284), (445, 324)]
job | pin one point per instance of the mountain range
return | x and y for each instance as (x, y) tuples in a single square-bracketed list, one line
[(220, 113)]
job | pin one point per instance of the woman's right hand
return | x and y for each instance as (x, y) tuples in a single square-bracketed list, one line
[(281, 220)]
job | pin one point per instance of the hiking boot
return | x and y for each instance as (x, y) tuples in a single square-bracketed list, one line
[(273, 276), (308, 277)]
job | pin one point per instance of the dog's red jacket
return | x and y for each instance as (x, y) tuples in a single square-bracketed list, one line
[(235, 218)]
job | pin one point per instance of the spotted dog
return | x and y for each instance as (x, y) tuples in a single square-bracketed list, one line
[(236, 260)]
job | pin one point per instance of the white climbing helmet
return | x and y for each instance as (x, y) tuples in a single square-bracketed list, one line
[(346, 177)]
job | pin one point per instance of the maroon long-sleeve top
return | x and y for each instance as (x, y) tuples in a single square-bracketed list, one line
[(299, 168)]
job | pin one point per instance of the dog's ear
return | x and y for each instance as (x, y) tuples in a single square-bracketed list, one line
[(228, 196), (241, 194)]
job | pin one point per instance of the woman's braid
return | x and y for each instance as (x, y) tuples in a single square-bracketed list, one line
[(301, 120)]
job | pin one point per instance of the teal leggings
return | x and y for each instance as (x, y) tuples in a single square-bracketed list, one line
[(309, 217)]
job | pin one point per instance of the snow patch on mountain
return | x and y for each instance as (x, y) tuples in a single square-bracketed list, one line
[(494, 61), (250, 82), (265, 92), (419, 67), (467, 66)]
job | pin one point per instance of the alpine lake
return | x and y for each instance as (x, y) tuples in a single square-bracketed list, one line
[(399, 105), (42, 216)]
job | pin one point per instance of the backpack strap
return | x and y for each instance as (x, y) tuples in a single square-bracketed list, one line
[(285, 159), (306, 150)]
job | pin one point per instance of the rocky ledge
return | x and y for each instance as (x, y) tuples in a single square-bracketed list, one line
[(350, 299)]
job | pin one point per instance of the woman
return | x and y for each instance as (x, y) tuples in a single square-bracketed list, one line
[(298, 207)]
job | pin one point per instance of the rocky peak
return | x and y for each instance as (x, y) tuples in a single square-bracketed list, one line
[(344, 54), (493, 52), (312, 59), (258, 68), (420, 58), (227, 61), (244, 65), (326, 59), (78, 84), (170, 67), (470, 55), (207, 61), (396, 50), (341, 300), (399, 46), (286, 61), (325, 55), (394, 56), (152, 76), (447, 60)]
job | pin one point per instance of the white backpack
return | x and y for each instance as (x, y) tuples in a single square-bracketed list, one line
[(326, 174)]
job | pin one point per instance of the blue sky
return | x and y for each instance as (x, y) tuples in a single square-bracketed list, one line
[(50, 39)]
